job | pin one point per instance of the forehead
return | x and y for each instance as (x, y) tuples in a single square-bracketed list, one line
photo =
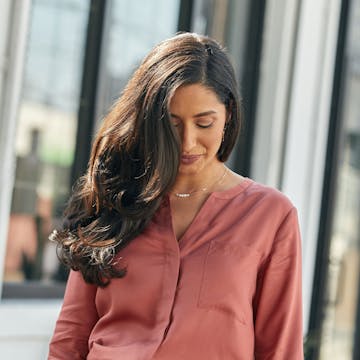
[(194, 96)]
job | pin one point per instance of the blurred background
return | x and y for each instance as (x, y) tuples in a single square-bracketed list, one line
[(64, 62)]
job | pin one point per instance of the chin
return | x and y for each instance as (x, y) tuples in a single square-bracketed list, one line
[(192, 169)]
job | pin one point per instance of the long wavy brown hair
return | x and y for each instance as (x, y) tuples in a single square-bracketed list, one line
[(135, 155)]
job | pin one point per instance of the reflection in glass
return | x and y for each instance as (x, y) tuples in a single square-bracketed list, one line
[(338, 329), (45, 139)]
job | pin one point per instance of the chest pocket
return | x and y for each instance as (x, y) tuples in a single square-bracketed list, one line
[(229, 279)]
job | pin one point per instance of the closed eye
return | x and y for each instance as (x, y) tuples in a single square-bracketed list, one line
[(204, 126)]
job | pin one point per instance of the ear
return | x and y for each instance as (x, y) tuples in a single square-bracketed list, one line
[(229, 112), (228, 117)]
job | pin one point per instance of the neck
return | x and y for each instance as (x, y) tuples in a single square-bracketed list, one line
[(204, 181)]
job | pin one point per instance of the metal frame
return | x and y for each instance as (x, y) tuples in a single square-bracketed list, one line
[(356, 354), (250, 83), (185, 15), (86, 113), (14, 48)]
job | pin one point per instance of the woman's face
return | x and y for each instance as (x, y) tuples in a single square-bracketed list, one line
[(199, 117)]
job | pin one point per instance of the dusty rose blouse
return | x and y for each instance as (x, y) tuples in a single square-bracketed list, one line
[(229, 289)]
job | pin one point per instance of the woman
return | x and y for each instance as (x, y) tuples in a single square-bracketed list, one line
[(174, 256)]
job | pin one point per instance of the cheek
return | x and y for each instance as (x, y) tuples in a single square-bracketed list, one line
[(213, 141)]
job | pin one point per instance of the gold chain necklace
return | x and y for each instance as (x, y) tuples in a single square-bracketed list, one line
[(186, 195)]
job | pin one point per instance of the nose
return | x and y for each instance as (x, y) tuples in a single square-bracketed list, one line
[(188, 140)]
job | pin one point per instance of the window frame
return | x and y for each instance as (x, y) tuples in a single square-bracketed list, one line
[(14, 51), (87, 115), (38, 289)]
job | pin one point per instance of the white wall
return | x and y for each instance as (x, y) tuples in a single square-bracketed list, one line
[(26, 327)]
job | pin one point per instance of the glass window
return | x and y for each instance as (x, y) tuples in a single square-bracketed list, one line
[(132, 28), (45, 139), (339, 324), (48, 118), (226, 21)]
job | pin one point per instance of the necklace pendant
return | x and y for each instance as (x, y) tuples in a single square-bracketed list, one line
[(201, 190), (182, 195)]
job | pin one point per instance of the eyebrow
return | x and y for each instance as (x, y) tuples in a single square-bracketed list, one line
[(204, 113)]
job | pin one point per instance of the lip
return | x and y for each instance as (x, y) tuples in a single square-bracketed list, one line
[(189, 159)]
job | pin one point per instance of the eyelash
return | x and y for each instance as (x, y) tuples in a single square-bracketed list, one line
[(204, 126), (198, 125)]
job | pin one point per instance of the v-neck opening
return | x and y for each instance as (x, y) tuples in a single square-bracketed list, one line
[(193, 221), (225, 194)]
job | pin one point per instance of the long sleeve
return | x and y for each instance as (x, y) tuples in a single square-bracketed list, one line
[(278, 304), (76, 320)]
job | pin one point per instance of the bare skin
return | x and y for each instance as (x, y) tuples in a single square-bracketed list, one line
[(185, 210), (200, 118)]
